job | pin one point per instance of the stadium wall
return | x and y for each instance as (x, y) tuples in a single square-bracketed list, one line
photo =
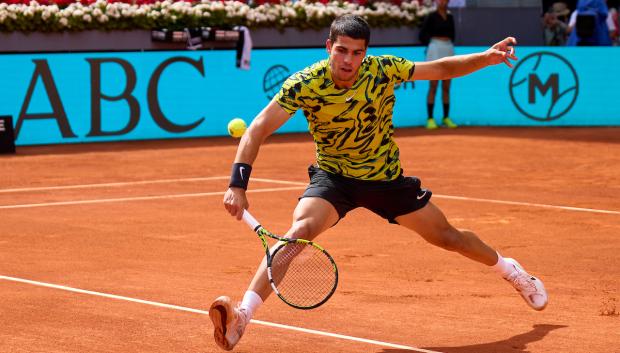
[(474, 26), (101, 96)]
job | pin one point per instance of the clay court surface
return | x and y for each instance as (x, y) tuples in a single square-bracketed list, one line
[(129, 227)]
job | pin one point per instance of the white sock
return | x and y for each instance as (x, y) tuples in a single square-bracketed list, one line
[(502, 267), (251, 301)]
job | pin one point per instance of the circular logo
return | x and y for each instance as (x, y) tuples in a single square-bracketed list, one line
[(544, 86), (273, 79)]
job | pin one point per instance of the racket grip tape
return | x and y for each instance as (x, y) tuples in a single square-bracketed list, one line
[(250, 220)]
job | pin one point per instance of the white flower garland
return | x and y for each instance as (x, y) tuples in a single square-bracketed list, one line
[(167, 14)]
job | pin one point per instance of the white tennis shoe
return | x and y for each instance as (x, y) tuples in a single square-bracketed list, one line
[(531, 288), (229, 323)]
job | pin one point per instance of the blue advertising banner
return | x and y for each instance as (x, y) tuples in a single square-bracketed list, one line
[(92, 97)]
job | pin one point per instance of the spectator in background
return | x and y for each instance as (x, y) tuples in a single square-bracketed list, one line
[(457, 3), (612, 22), (588, 24), (555, 22), (437, 32)]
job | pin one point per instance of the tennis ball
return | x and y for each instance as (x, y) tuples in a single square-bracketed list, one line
[(236, 127)]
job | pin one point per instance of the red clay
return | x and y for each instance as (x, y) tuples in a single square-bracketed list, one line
[(394, 287)]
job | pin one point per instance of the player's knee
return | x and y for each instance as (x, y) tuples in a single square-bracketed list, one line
[(300, 229)]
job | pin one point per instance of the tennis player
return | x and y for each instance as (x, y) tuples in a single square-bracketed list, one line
[(348, 100)]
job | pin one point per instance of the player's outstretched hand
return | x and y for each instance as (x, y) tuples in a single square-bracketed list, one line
[(502, 52), (235, 202)]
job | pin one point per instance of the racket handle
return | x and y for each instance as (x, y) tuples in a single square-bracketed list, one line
[(250, 220)]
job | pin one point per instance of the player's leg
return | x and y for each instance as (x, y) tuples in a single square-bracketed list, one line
[(445, 98), (430, 105), (433, 226), (311, 217)]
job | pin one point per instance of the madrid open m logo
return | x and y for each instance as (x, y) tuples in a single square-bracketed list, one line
[(544, 86)]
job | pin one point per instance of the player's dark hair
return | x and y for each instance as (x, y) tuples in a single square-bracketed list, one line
[(352, 26)]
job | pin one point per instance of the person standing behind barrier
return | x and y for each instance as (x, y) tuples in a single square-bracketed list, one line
[(438, 34), (555, 23), (612, 22), (588, 24)]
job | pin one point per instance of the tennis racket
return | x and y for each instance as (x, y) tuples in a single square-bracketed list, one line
[(300, 272)]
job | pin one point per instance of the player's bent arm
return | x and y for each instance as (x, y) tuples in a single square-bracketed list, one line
[(449, 67), (461, 65), (265, 124)]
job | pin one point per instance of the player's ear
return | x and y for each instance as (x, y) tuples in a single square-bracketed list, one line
[(328, 46)]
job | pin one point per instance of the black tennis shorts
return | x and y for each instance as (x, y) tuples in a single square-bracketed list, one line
[(388, 199)]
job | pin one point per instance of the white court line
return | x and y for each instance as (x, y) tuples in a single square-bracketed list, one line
[(280, 181), (140, 198), (104, 185), (139, 182), (516, 203), (203, 312)]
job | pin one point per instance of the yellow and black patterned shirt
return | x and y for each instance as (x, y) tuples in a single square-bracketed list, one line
[(352, 128)]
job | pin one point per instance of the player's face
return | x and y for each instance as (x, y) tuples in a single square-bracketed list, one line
[(345, 57)]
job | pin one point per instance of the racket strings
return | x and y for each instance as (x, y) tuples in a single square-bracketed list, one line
[(303, 274)]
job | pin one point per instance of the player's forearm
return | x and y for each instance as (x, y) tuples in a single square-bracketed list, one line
[(250, 144), (242, 168), (461, 65)]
